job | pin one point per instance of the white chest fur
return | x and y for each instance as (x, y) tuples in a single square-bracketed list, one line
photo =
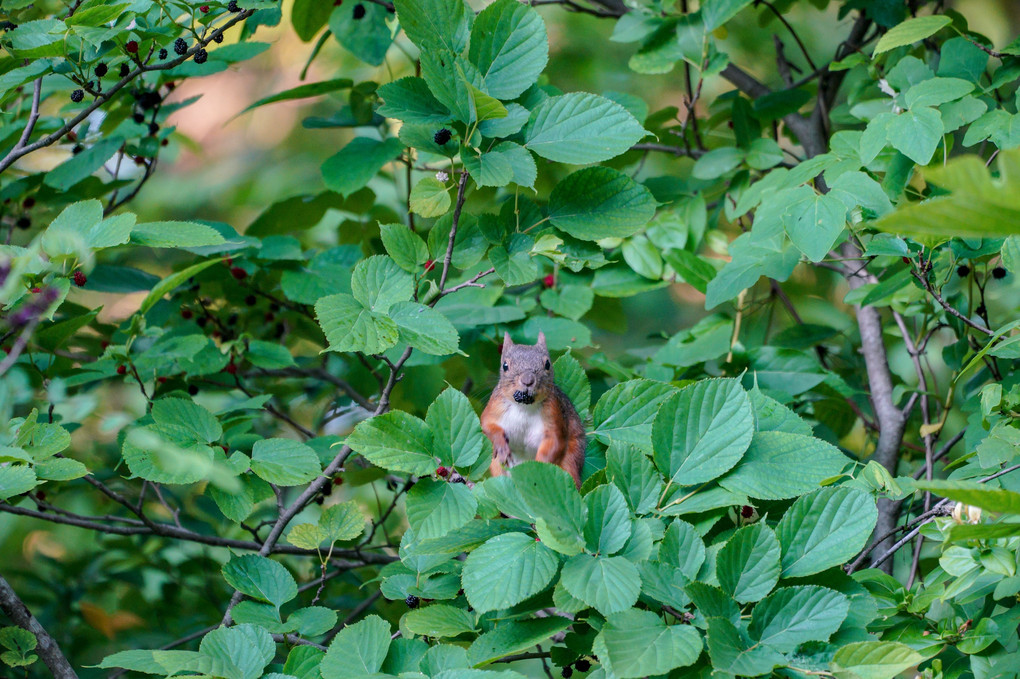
[(524, 429)]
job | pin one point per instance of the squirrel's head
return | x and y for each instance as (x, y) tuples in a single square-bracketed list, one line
[(526, 368)]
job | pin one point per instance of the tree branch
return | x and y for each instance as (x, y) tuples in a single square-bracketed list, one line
[(47, 649)]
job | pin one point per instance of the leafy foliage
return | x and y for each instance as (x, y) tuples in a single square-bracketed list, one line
[(271, 439)]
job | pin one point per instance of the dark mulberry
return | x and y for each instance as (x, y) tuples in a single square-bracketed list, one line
[(124, 70), (78, 96), (998, 273), (180, 46), (163, 54), (582, 665), (963, 271), (232, 6), (218, 38), (442, 136), (359, 11), (201, 56), (412, 601), (101, 70)]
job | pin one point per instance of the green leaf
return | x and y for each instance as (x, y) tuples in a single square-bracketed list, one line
[(791, 616), (731, 651), (457, 438), (488, 169), (570, 377), (509, 46), (718, 162), (551, 496), (874, 659), (625, 412), (175, 235), (718, 12), (522, 565), (424, 328), (284, 462), (512, 637), (635, 475), (911, 31), (60, 469), (82, 165), (609, 584), (825, 528), (308, 89), (379, 283), (916, 133), (514, 262), (815, 223), (683, 547), (349, 326), (15, 480), (430, 198), (410, 100), (607, 528), (351, 168), (580, 128), (172, 281), (342, 521), (397, 441), (975, 494), (780, 465), (703, 431), (436, 23), (308, 17), (368, 36), (260, 578), (434, 508), (748, 565), (268, 355), (438, 620), (406, 247), (358, 650), (936, 91), (599, 202), (571, 301), (639, 644), (188, 415), (483, 107), (694, 271), (522, 163)]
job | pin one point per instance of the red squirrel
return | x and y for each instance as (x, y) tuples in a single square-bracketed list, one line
[(528, 417)]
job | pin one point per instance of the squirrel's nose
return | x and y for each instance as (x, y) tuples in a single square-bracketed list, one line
[(527, 380)]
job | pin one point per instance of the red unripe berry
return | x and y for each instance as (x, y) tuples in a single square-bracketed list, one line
[(231, 368), (238, 273), (429, 265), (338, 481), (36, 290), (906, 260), (225, 449), (204, 9), (443, 472), (79, 279), (103, 345), (549, 280), (121, 369), (41, 495), (537, 539), (132, 46), (186, 313), (229, 261), (161, 380), (746, 511)]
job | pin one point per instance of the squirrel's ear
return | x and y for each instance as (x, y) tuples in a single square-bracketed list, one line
[(507, 342), (541, 340)]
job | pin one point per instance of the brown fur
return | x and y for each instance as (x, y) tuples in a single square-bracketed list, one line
[(561, 440)]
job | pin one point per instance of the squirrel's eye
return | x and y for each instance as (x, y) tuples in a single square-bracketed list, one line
[(505, 367), (547, 366)]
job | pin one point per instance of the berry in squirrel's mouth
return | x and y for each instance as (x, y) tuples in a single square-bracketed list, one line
[(524, 397)]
